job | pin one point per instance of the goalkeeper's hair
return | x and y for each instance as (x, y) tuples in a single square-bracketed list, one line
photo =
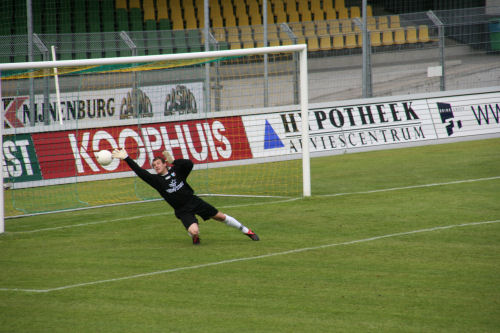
[(159, 158)]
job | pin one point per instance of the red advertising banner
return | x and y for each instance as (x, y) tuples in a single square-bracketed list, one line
[(72, 153)]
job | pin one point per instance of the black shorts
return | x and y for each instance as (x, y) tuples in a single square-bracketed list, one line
[(196, 206)]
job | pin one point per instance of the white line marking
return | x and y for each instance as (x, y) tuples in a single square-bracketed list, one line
[(411, 187), (137, 217), (255, 204), (172, 270)]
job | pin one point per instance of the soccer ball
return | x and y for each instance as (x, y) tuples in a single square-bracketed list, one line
[(104, 157)]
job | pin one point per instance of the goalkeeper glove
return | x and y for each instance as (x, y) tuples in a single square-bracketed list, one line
[(120, 154), (168, 157)]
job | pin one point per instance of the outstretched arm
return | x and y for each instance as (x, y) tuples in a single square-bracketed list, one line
[(143, 174)]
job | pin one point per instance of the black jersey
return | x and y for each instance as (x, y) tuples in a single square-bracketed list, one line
[(173, 186)]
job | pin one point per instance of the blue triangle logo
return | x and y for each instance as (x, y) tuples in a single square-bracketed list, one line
[(271, 139)]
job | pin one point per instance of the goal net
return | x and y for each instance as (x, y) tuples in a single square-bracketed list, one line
[(236, 114)]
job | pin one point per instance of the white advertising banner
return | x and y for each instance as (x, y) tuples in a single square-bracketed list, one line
[(391, 122), (465, 115), (162, 102)]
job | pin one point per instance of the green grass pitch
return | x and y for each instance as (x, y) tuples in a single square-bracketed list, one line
[(404, 240)]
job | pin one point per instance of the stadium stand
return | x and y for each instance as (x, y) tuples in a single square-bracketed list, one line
[(324, 25)]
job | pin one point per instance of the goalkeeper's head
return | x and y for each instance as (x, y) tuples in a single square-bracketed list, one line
[(160, 165)]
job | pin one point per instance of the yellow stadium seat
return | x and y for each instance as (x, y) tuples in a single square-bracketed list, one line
[(309, 29), (339, 4), (233, 37), (317, 11), (411, 34), (383, 23), (330, 13), (272, 35), (285, 39), (360, 40), (355, 12), (399, 36), (346, 26), (134, 4), (372, 23), (350, 40), (293, 16), (343, 13), (149, 10), (387, 37), (161, 7), (325, 43), (322, 28), (335, 27), (375, 38), (423, 34), (369, 10), (306, 16), (338, 42), (121, 4), (394, 21), (313, 44), (246, 37)]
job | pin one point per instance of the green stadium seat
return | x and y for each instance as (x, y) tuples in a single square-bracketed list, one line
[(180, 41), (194, 40), (80, 17), (136, 22), (122, 23), (108, 15), (166, 41), (152, 41), (165, 24)]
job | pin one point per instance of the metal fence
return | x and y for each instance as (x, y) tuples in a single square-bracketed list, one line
[(410, 53)]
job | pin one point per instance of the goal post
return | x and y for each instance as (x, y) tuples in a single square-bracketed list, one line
[(241, 145)]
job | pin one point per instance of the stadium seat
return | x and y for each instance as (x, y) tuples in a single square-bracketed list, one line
[(375, 38), (346, 26), (387, 37), (325, 43), (411, 35), (383, 23), (193, 39), (330, 13), (394, 21), (272, 35), (339, 4), (180, 41), (399, 36), (369, 10), (108, 14), (335, 27), (360, 39), (423, 34), (343, 13), (149, 10), (309, 29), (80, 19), (350, 40), (285, 38), (233, 38), (317, 11), (372, 23), (246, 37), (338, 42), (305, 13), (312, 44), (322, 28), (121, 4), (355, 12), (166, 41)]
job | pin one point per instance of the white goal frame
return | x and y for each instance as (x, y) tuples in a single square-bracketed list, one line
[(301, 49)]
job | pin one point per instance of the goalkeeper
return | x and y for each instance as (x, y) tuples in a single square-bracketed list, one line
[(171, 182)]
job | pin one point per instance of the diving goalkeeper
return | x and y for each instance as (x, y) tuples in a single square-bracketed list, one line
[(171, 182)]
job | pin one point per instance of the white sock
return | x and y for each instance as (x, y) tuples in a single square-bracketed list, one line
[(232, 222)]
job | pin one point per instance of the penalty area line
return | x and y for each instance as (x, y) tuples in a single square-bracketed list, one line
[(263, 256)]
